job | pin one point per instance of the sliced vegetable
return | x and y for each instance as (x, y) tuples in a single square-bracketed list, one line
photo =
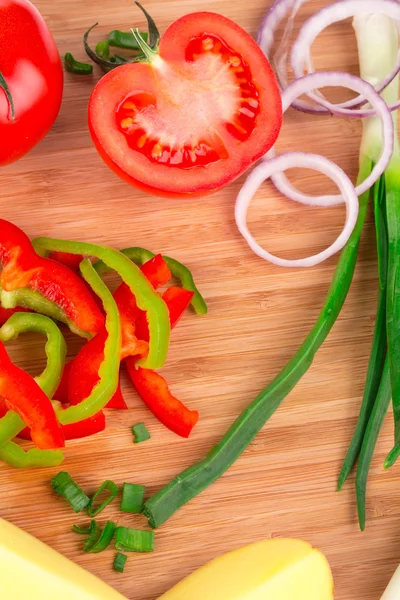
[(99, 541), (63, 289), (81, 530), (155, 393), (204, 70), (15, 456), (134, 540), (286, 161), (140, 433), (119, 562), (94, 536), (67, 488), (177, 299), (74, 66), (109, 367), (107, 486), (132, 497), (24, 396)]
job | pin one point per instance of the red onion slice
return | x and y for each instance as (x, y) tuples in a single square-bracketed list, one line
[(280, 9), (321, 80), (338, 11), (287, 161)]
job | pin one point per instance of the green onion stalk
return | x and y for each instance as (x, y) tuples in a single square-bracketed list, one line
[(377, 40)]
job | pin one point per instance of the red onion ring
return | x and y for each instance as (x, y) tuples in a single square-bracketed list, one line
[(320, 80), (265, 39), (287, 161), (338, 11)]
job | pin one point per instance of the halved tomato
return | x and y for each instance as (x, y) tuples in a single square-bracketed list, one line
[(203, 108)]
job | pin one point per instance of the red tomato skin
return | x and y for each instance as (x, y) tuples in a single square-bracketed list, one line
[(179, 182), (31, 66)]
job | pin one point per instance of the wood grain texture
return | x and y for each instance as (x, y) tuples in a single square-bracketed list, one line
[(284, 484)]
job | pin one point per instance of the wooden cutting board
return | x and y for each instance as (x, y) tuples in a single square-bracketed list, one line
[(284, 484)]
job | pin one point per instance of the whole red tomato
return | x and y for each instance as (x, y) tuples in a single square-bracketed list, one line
[(31, 74), (194, 115)]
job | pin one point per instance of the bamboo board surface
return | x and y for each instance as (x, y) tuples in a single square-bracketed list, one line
[(284, 484)]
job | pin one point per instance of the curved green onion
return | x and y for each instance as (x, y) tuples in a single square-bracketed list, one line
[(94, 536), (107, 486), (81, 530), (65, 486), (99, 541)]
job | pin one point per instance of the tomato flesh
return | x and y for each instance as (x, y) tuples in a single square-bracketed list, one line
[(194, 118)]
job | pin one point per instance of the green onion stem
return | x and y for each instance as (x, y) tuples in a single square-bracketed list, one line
[(65, 486), (106, 486), (134, 540), (132, 498), (185, 486)]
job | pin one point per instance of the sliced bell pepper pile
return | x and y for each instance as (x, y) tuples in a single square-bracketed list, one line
[(132, 324), (147, 299)]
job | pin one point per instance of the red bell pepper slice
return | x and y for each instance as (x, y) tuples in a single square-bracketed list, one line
[(74, 431), (82, 374), (23, 395), (72, 261), (177, 299), (23, 267), (117, 401), (157, 272), (61, 393), (6, 313), (151, 386), (155, 393)]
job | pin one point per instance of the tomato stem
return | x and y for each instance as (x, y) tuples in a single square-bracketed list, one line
[(148, 52), (154, 34), (4, 86)]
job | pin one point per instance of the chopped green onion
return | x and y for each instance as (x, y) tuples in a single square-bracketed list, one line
[(94, 536), (134, 540), (100, 541), (140, 433), (65, 486), (132, 497), (108, 486), (81, 530), (119, 562)]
